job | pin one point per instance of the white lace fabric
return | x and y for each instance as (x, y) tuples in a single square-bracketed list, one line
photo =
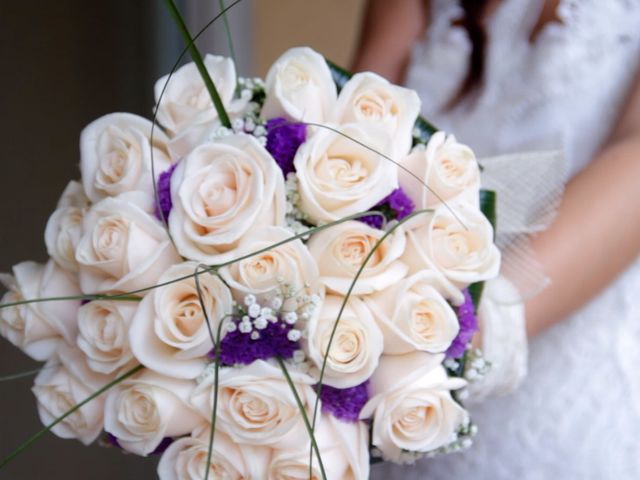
[(577, 415)]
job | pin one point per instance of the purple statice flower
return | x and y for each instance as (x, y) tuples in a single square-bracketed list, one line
[(239, 348), (374, 221), (164, 204), (468, 326), (400, 203), (395, 206), (283, 140), (345, 403), (162, 446)]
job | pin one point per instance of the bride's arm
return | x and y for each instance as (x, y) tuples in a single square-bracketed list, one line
[(388, 35), (597, 232)]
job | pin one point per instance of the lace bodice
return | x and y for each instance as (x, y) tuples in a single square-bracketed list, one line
[(577, 416), (564, 89)]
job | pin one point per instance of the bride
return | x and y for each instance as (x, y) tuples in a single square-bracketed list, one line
[(517, 75)]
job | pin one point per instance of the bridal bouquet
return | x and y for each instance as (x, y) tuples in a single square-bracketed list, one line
[(275, 282)]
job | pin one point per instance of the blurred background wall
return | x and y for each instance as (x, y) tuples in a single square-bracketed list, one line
[(66, 63)]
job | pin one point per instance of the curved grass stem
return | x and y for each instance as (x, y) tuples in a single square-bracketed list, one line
[(73, 409), (305, 418)]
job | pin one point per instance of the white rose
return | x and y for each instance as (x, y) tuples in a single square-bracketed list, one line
[(299, 86), (123, 248), (63, 382), (221, 192), (186, 458), (288, 267), (141, 411), (448, 168), (256, 405), (369, 98), (414, 315), (456, 240), (357, 343), (343, 447), (186, 100), (115, 156), (37, 328), (64, 227), (338, 176), (411, 405), (103, 327), (341, 250), (169, 332)]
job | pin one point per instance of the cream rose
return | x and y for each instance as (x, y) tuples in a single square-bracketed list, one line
[(448, 168), (343, 447), (123, 248), (186, 458), (186, 100), (411, 405), (357, 343), (115, 156), (341, 250), (456, 240), (37, 328), (338, 176), (103, 327), (64, 227), (169, 332), (256, 405), (299, 86), (369, 98), (288, 267), (141, 411), (221, 192), (63, 382), (414, 315)]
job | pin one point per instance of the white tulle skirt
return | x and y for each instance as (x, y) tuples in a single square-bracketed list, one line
[(577, 415)]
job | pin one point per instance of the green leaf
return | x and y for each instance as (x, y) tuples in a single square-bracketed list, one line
[(488, 199)]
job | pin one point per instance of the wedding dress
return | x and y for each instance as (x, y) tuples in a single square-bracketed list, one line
[(577, 414)]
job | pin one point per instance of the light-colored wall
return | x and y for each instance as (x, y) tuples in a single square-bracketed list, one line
[(329, 26)]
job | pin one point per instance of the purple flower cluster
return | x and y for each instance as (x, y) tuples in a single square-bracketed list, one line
[(164, 204), (395, 206), (283, 140), (344, 403), (240, 348), (468, 326), (162, 446)]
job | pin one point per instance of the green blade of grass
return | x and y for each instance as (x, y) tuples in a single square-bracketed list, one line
[(197, 58), (47, 428)]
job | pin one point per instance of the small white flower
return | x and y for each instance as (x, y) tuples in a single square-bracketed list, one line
[(231, 326), (249, 125), (260, 131), (245, 327), (249, 300), (237, 125), (266, 312), (294, 335), (466, 443), (260, 323), (290, 317), (254, 310), (276, 303), (255, 335)]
